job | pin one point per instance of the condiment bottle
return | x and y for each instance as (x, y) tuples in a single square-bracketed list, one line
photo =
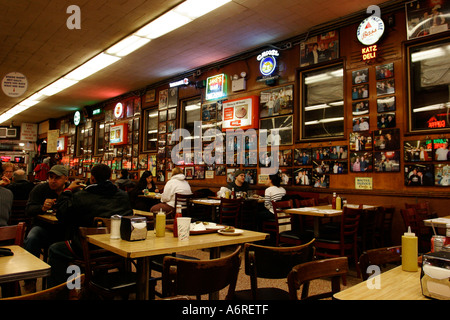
[(338, 203), (160, 224), (333, 201), (409, 251), (175, 222)]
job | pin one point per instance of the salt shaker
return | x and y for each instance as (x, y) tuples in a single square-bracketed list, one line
[(115, 227)]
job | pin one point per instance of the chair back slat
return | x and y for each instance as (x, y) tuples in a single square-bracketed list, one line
[(14, 234)]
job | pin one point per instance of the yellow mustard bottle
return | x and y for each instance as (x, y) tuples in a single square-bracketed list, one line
[(409, 251), (338, 203), (160, 227)]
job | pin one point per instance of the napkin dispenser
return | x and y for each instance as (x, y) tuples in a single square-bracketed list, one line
[(133, 228), (435, 275)]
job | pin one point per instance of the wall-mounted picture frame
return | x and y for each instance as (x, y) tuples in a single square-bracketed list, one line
[(209, 111), (360, 108), (172, 97), (285, 158), (361, 161), (338, 167), (361, 141), (189, 173), (338, 152), (286, 176), (276, 130), (361, 124), (442, 175), (386, 120), (424, 18), (276, 101), (419, 175), (320, 48), (385, 87), (302, 157), (386, 139), (418, 150), (360, 76), (163, 101), (360, 92), (386, 104), (162, 116), (384, 71), (440, 148), (302, 176), (321, 180), (386, 161), (251, 176)]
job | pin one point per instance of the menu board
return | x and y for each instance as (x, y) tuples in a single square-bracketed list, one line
[(240, 113)]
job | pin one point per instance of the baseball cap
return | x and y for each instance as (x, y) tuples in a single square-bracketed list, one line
[(59, 170), (238, 172)]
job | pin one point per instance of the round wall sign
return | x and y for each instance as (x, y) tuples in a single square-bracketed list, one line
[(77, 118), (267, 65), (14, 84), (370, 30), (118, 110)]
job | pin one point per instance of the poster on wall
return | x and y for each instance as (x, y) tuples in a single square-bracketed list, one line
[(240, 113), (320, 48), (424, 17), (277, 101)]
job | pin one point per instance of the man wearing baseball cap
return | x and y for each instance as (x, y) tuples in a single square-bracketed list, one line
[(239, 184), (41, 200)]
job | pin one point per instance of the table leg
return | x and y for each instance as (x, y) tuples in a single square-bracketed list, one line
[(143, 278), (316, 227), (214, 253)]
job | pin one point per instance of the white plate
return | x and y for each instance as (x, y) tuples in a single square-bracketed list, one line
[(235, 233)]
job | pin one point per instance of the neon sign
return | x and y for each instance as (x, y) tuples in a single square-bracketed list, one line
[(216, 87), (435, 123), (369, 52), (268, 62)]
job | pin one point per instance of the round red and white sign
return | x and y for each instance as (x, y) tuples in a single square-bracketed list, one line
[(118, 110), (370, 30)]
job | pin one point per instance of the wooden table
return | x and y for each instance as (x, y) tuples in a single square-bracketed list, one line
[(440, 222), (324, 211), (395, 284), (21, 266), (213, 203), (152, 246)]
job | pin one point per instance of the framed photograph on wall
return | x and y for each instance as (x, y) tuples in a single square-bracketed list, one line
[(386, 120), (386, 161), (384, 71), (302, 176), (251, 176), (172, 98), (361, 141), (320, 48), (425, 18), (442, 175), (360, 108), (387, 139), (321, 180), (419, 175), (360, 92), (385, 87), (361, 161), (302, 157), (163, 99), (386, 104), (440, 147), (276, 101), (418, 150), (286, 176), (360, 76), (277, 130)]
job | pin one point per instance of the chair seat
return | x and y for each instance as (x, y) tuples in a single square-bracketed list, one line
[(305, 236), (334, 238), (114, 280), (262, 294)]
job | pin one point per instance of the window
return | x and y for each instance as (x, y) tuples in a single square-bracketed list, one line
[(190, 113), (151, 129), (99, 138), (322, 102), (429, 86)]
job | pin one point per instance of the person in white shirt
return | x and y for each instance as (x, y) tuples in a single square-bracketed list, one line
[(273, 193), (176, 184)]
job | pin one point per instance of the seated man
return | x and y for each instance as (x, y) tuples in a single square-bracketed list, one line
[(78, 208), (239, 184), (43, 198), (20, 186)]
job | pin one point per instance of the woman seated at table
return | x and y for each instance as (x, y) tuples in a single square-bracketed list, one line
[(272, 193), (145, 183), (176, 184)]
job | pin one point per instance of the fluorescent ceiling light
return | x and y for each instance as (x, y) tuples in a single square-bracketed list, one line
[(432, 107), (196, 8), (57, 86), (127, 45), (427, 54), (92, 66), (192, 107), (162, 25), (317, 107)]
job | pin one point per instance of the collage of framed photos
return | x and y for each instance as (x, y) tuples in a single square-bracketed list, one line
[(385, 87), (427, 162)]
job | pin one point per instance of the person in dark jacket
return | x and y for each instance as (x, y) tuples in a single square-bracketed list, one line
[(78, 208), (145, 183), (20, 186)]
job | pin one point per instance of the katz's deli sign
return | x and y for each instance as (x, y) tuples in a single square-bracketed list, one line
[(370, 30)]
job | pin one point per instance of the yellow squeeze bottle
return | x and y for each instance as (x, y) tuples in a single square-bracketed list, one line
[(160, 224), (338, 203), (409, 251)]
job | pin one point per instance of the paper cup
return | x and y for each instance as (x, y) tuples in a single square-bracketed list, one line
[(184, 226)]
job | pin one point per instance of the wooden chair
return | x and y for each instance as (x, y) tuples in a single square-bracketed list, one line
[(415, 221), (303, 273), (423, 209), (379, 257), (13, 234), (306, 223), (59, 292), (281, 219), (266, 262), (249, 212), (195, 278), (107, 274), (383, 230), (102, 222), (186, 205), (230, 211), (344, 242), (18, 214)]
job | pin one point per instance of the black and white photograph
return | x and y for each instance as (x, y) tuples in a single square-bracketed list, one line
[(283, 133)]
